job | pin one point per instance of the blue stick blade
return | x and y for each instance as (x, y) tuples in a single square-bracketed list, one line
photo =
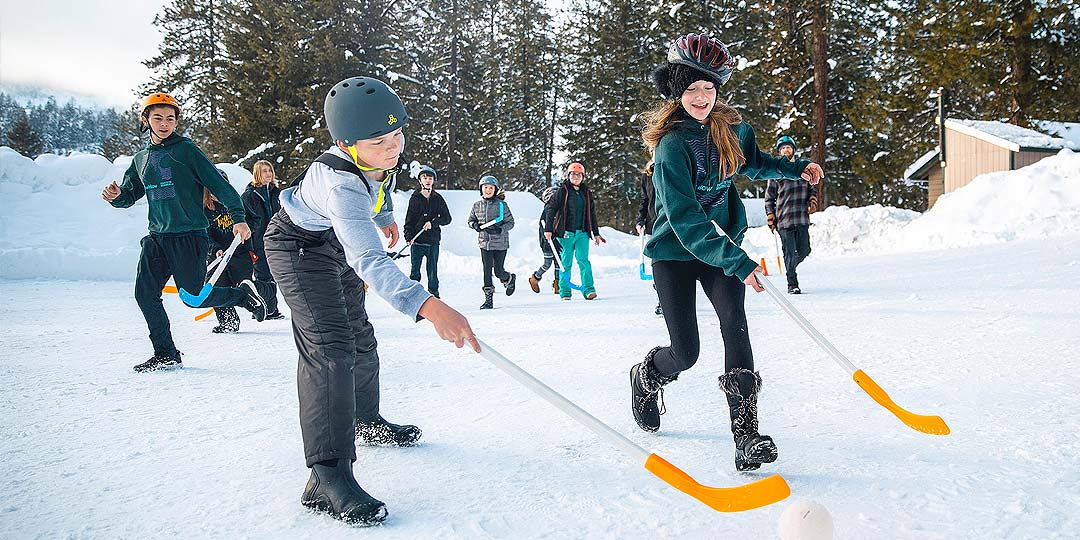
[(196, 300)]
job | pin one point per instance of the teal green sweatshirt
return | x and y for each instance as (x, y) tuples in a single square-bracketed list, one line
[(690, 196), (172, 175)]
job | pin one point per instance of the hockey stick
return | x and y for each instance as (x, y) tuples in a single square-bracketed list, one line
[(641, 268), (502, 209), (779, 264), (171, 289), (559, 267), (398, 255), (194, 300), (732, 499), (934, 425)]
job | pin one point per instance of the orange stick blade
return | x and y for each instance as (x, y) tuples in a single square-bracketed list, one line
[(733, 499), (204, 315), (934, 425), (171, 289)]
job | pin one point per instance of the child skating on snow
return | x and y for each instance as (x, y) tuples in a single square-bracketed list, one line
[(172, 172), (491, 218), (322, 247), (699, 144)]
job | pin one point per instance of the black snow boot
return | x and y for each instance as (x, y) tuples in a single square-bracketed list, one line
[(333, 490), (510, 284), (383, 433), (751, 448), (794, 289), (253, 301), (228, 321), (647, 387), (489, 292), (159, 362)]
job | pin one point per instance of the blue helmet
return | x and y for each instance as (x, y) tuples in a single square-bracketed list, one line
[(786, 141), (424, 169), (488, 179)]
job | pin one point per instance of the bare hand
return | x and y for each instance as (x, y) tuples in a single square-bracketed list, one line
[(547, 235), (752, 280), (427, 226), (640, 230), (391, 231), (111, 192), (449, 324), (242, 230), (596, 240), (813, 173), (219, 253)]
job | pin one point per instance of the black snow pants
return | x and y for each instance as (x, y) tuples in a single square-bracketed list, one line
[(182, 257), (796, 242), (676, 285), (338, 373)]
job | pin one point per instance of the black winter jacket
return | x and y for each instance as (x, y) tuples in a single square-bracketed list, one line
[(562, 205), (423, 209), (256, 207)]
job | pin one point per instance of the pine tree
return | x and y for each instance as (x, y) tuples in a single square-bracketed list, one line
[(23, 139), (190, 62), (610, 49)]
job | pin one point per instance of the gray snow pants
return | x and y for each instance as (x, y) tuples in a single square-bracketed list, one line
[(338, 372)]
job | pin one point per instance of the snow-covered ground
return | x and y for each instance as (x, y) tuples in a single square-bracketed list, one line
[(978, 327)]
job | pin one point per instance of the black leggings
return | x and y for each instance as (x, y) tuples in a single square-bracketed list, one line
[(493, 261), (676, 285)]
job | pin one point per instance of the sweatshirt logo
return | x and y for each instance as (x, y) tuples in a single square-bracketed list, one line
[(223, 221)]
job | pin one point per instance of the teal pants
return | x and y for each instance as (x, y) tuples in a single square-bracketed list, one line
[(575, 245)]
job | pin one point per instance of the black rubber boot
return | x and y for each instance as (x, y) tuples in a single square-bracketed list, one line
[(647, 387), (489, 293), (383, 433), (510, 284), (751, 448), (228, 321), (334, 491), (159, 362)]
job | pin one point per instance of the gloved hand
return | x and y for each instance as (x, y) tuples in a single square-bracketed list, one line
[(494, 229), (813, 204), (772, 222), (475, 226)]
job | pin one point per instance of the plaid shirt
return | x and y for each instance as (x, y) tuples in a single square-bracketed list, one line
[(793, 197)]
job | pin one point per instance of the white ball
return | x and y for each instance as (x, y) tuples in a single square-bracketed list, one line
[(806, 520)]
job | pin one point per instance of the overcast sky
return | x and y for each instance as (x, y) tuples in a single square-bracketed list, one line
[(87, 47)]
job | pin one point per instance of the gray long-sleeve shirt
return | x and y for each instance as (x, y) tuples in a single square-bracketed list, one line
[(333, 199)]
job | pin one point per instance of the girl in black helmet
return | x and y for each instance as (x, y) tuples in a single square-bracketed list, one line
[(320, 245), (699, 144)]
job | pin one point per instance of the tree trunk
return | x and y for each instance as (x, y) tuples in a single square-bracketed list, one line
[(1018, 47), (821, 92)]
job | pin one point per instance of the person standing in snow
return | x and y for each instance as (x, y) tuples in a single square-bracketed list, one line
[(699, 144), (428, 213), (172, 172), (549, 258), (571, 216), (492, 220), (322, 246), (240, 264), (261, 203), (647, 215), (788, 205)]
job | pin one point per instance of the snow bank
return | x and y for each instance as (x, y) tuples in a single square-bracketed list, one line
[(55, 224)]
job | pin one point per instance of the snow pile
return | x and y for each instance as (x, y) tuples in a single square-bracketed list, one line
[(1040, 200)]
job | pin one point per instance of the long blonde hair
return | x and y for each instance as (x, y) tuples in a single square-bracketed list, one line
[(256, 173), (662, 118)]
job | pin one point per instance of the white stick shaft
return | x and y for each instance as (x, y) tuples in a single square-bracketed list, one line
[(805, 324), (641, 248), (225, 260), (794, 314), (555, 254), (605, 432), (488, 224)]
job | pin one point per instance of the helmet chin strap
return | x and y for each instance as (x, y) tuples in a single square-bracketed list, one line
[(356, 161)]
